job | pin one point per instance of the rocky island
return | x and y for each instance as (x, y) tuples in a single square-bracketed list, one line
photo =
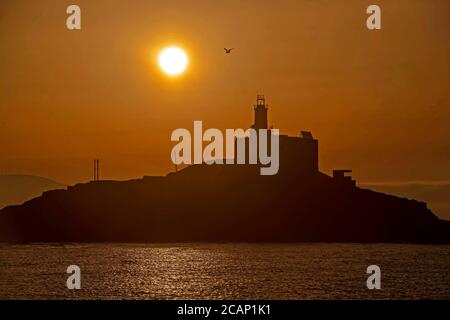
[(227, 203)]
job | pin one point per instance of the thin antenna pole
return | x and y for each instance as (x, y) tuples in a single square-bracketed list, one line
[(96, 169)]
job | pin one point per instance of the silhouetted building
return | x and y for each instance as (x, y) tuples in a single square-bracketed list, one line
[(340, 178), (300, 153)]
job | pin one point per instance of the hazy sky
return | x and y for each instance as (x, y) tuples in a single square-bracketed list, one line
[(378, 101)]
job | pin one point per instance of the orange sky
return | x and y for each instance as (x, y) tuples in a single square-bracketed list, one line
[(378, 101)]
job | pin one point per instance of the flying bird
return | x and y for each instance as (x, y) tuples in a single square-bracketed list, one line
[(228, 50)]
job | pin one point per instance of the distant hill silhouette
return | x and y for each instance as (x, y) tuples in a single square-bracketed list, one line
[(16, 189)]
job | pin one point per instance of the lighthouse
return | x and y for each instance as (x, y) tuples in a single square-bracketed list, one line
[(260, 113)]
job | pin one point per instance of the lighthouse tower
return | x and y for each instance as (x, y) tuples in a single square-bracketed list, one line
[(260, 113)]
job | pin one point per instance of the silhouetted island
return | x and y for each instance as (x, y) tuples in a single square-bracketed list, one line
[(221, 203)]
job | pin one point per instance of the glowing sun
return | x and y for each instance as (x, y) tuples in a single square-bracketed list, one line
[(173, 61)]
